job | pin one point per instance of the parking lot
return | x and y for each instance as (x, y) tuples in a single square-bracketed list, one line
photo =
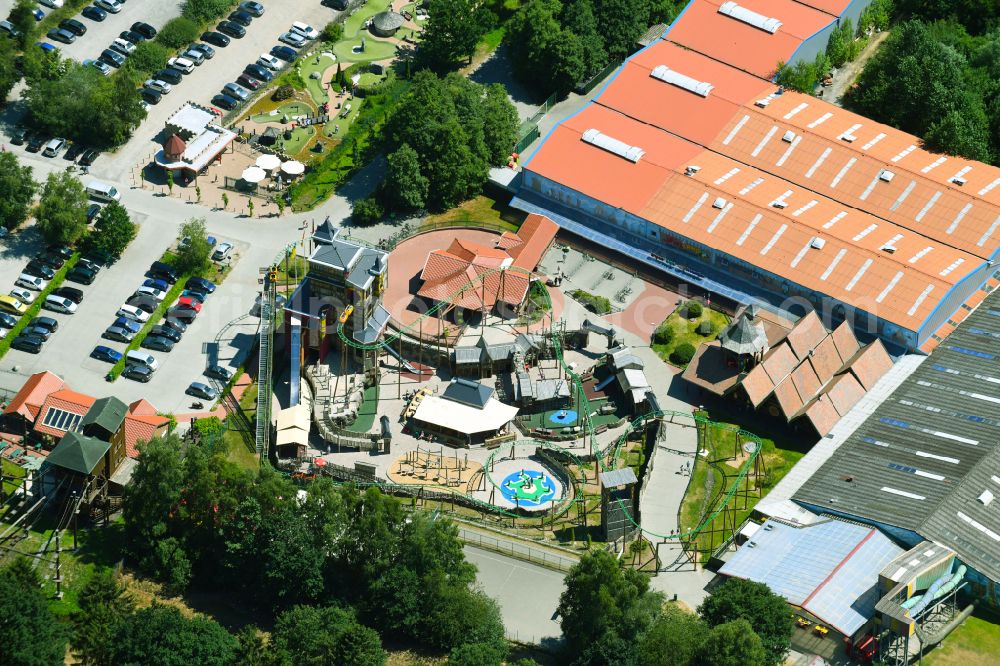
[(100, 34)]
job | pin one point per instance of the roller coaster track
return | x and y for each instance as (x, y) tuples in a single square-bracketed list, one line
[(612, 451)]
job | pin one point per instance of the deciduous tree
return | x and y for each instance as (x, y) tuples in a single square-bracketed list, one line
[(17, 190), (766, 612), (104, 603), (453, 30), (31, 634), (194, 251), (62, 209), (308, 635), (405, 188), (113, 231), (162, 636), (733, 644)]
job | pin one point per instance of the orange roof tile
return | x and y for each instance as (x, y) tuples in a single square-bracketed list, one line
[(757, 385), (844, 392), (536, 234), (141, 428), (807, 333), (870, 364), (825, 359), (788, 398), (66, 400), (822, 414), (806, 382), (847, 344), (703, 28), (30, 397), (142, 406), (779, 363)]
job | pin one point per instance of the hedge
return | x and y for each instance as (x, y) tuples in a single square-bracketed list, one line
[(594, 303), (693, 309), (36, 307), (154, 317)]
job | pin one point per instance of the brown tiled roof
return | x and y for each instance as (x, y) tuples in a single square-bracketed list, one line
[(845, 391), (822, 414), (779, 363), (29, 399), (757, 385), (870, 363), (788, 398), (142, 406), (808, 333), (825, 360), (141, 428), (536, 234), (847, 343), (806, 382)]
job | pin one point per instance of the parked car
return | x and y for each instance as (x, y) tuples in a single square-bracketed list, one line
[(37, 268), (293, 39), (166, 332), (305, 30), (162, 270), (59, 304), (100, 66), (127, 324), (88, 157), (73, 152), (72, 293), (134, 313), (91, 264), (184, 315), (138, 372), (181, 65), (207, 51), (27, 343), (93, 210), (147, 304), (50, 259), (37, 331), (172, 322), (54, 147), (156, 343), (258, 72), (269, 61), (158, 294), (194, 55), (215, 38), (63, 251), (45, 322), (222, 251), (94, 13), (74, 26), (111, 6), (170, 75), (38, 14), (241, 18), (23, 295), (126, 48), (112, 57), (35, 143), (132, 37), (159, 86), (194, 294), (248, 81), (189, 303), (200, 390), (144, 29), (150, 96), (7, 320), (81, 275), (285, 53), (12, 305), (8, 27), (18, 136), (156, 284), (253, 8), (106, 354), (60, 35), (237, 91), (225, 102), (118, 334), (200, 284), (231, 29), (220, 372)]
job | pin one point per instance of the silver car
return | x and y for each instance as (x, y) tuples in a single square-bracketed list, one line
[(159, 86)]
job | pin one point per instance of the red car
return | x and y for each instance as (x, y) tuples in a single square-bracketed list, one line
[(189, 303), (248, 82)]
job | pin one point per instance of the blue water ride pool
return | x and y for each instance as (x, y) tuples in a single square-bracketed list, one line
[(563, 417), (528, 488)]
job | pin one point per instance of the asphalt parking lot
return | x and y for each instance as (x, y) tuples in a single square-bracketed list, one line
[(100, 34)]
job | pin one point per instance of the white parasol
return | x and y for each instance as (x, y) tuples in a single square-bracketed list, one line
[(253, 174), (293, 167), (268, 161)]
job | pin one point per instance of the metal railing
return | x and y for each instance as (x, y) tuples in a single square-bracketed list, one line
[(265, 339), (517, 550)]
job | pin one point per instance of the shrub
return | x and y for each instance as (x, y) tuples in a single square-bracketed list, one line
[(367, 211), (705, 328), (178, 32), (203, 11), (693, 309), (663, 335), (333, 32), (282, 93), (594, 303), (682, 354), (148, 57)]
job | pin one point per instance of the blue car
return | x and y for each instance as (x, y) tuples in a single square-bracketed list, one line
[(38, 14), (194, 295), (200, 284), (133, 326), (156, 284), (107, 354), (286, 53), (45, 46)]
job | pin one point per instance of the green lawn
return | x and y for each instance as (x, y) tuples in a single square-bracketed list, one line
[(367, 412), (316, 63), (686, 330), (480, 209), (975, 643), (290, 109)]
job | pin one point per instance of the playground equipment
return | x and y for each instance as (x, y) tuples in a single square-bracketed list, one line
[(435, 466)]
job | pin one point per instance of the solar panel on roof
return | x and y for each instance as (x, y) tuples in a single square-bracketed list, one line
[(667, 75), (750, 17), (612, 145)]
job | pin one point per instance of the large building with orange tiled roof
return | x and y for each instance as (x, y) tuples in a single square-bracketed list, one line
[(692, 161)]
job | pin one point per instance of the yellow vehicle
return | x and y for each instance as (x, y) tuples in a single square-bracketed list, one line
[(346, 313), (11, 304)]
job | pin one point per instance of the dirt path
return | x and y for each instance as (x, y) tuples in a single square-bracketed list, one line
[(848, 74)]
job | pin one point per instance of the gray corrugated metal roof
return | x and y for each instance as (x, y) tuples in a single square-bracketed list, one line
[(468, 392), (374, 326), (616, 478), (929, 449), (467, 355)]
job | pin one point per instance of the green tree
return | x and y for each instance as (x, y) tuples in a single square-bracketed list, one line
[(162, 636), (964, 132), (225, 201), (453, 30), (733, 644), (178, 32), (578, 18), (754, 602), (62, 209), (308, 635), (17, 190), (147, 58), (252, 650), (113, 231), (196, 253), (476, 654), (500, 124), (170, 181), (622, 23), (602, 600), (24, 22), (367, 211), (405, 188), (674, 639), (842, 46), (104, 603), (804, 75), (44, 65), (152, 498), (31, 633), (9, 73), (547, 58)]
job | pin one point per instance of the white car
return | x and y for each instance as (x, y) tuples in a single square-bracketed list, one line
[(158, 294), (222, 251), (183, 64), (23, 295), (158, 85), (54, 4), (133, 313), (31, 282), (123, 46), (60, 304), (112, 6), (305, 30), (269, 61)]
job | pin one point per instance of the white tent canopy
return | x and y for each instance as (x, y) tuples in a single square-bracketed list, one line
[(253, 174), (268, 161), (465, 419), (293, 167)]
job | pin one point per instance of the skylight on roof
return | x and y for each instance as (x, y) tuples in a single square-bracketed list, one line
[(667, 75), (750, 17), (620, 148)]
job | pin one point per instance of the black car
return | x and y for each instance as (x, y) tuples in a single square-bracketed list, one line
[(286, 53), (167, 332), (18, 136), (60, 35), (225, 102), (48, 323), (165, 269), (143, 302), (231, 29), (72, 293), (137, 372), (35, 143), (248, 81), (170, 75), (132, 36), (28, 343), (90, 263), (106, 354), (215, 39), (7, 320), (219, 372), (74, 26), (339, 5), (144, 29), (204, 49), (73, 152), (157, 343), (112, 57), (93, 210), (53, 260), (64, 251), (39, 269), (88, 157), (94, 13), (242, 18), (253, 8), (150, 96), (81, 275), (259, 72), (175, 324)]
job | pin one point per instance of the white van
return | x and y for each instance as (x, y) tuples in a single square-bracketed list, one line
[(53, 147), (99, 191), (305, 30), (183, 64), (141, 358), (30, 282), (60, 304)]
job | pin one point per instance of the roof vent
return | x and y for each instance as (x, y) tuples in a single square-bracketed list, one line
[(719, 203), (619, 148), (888, 248), (692, 170), (763, 102), (788, 136), (768, 527), (848, 479), (667, 75), (985, 498), (751, 544), (849, 138), (817, 243), (958, 180), (750, 17), (886, 176), (778, 203)]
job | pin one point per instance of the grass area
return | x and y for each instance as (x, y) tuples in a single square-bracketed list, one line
[(541, 419), (367, 412), (723, 462), (975, 643), (10, 484), (35, 308), (289, 109), (318, 63), (477, 210), (686, 331)]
